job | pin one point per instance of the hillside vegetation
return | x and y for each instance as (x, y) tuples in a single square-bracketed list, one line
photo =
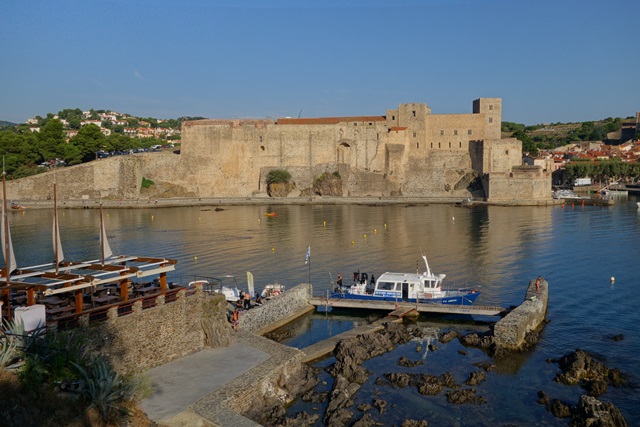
[(550, 136)]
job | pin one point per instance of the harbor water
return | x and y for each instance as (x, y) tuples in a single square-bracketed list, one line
[(588, 255)]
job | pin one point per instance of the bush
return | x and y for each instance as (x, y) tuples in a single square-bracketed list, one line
[(146, 183), (278, 176)]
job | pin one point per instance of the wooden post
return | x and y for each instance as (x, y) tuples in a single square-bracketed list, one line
[(163, 281), (31, 296), (79, 300), (5, 300), (124, 290)]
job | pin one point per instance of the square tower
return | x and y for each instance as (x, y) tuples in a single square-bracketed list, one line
[(492, 110)]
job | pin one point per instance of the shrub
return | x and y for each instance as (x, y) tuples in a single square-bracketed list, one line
[(278, 176), (146, 183)]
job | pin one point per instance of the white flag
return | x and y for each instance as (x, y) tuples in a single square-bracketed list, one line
[(306, 260)]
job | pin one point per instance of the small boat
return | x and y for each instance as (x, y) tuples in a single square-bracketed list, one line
[(17, 206), (270, 214), (423, 287), (272, 290), (221, 285)]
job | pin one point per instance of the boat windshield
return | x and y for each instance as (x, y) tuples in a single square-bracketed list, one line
[(386, 286)]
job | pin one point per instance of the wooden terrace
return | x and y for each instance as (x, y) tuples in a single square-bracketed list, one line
[(75, 288)]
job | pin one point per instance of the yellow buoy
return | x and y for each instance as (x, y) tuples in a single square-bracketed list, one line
[(195, 258), (365, 236), (375, 231), (324, 223), (385, 226), (273, 249), (353, 242)]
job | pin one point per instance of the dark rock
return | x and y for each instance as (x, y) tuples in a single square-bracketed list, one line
[(462, 352), (595, 387), (414, 423), (363, 407), (409, 363), (301, 420), (328, 185), (579, 366), (430, 389), (475, 340), (618, 337), (485, 366), (399, 379), (432, 347), (445, 337), (218, 209), (458, 397), (280, 189), (559, 409), (543, 399), (340, 418), (593, 412), (365, 421), (551, 360), (380, 405), (418, 348), (476, 378)]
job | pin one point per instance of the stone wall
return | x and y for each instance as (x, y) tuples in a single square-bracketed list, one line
[(151, 337), (408, 152), (509, 332), (277, 308)]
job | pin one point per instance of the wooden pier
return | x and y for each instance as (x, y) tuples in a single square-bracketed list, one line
[(392, 306)]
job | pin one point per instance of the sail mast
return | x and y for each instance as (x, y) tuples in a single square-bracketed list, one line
[(56, 232), (5, 228)]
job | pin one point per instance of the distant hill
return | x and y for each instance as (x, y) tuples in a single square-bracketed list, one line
[(6, 124)]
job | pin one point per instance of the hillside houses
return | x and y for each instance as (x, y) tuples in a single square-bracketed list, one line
[(107, 120)]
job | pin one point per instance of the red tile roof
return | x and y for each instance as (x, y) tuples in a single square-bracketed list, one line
[(397, 128), (328, 120)]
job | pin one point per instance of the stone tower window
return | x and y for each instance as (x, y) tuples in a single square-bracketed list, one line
[(414, 113), (469, 132), (414, 134), (355, 123), (439, 145), (449, 145), (441, 132), (490, 106), (455, 132), (432, 145), (490, 119), (417, 145), (393, 117), (460, 144), (260, 139)]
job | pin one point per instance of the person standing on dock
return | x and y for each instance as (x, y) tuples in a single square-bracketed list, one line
[(247, 301), (339, 281), (235, 318)]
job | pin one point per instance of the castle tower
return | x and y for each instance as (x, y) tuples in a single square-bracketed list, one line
[(492, 109)]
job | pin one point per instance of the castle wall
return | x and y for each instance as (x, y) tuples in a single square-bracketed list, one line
[(523, 182)]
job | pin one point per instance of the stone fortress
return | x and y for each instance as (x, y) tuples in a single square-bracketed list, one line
[(408, 152)]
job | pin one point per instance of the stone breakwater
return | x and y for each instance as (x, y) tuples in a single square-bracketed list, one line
[(510, 333)]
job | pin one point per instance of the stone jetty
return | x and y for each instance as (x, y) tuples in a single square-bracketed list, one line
[(510, 332)]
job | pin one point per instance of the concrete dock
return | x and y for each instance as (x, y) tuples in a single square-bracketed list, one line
[(477, 310)]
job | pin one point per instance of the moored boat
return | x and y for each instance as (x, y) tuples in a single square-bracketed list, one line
[(425, 287)]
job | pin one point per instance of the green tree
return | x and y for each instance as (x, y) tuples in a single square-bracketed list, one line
[(51, 139), (89, 141)]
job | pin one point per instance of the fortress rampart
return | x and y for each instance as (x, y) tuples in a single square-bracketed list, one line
[(407, 152)]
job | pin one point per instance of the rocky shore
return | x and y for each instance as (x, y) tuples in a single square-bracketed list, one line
[(575, 369)]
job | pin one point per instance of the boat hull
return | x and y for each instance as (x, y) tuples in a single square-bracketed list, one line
[(455, 298)]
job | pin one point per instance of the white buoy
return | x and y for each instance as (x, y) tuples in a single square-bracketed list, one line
[(613, 279)]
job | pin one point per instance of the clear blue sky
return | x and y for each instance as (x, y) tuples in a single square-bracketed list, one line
[(549, 60)]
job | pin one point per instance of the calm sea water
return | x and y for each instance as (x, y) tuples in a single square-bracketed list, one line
[(495, 249)]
